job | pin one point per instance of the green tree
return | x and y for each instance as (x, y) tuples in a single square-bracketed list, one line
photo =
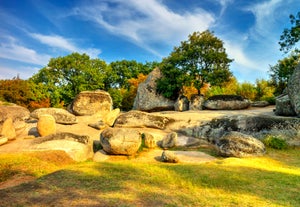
[(66, 76), (281, 72), (199, 60), (124, 70), (291, 36)]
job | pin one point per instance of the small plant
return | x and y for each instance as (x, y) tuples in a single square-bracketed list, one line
[(275, 142)]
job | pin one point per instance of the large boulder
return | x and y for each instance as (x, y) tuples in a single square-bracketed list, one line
[(46, 125), (119, 141), (18, 114), (226, 102), (236, 144), (147, 99), (169, 141), (8, 129), (76, 146), (284, 106), (61, 116), (139, 119), (181, 104), (293, 90), (91, 102), (196, 102)]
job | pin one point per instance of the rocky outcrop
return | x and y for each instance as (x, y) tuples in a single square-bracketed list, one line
[(76, 146), (8, 129), (168, 156), (138, 119), (181, 104), (111, 117), (46, 125), (284, 106), (18, 114), (147, 99), (91, 102), (149, 140), (119, 141), (169, 141), (196, 102), (236, 144), (260, 104), (293, 90), (61, 116), (226, 102)]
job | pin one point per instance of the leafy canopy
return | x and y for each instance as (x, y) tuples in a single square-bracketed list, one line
[(200, 59), (291, 36), (66, 76)]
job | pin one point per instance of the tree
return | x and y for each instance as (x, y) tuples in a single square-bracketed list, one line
[(199, 60), (125, 70), (291, 36), (67, 76), (281, 72)]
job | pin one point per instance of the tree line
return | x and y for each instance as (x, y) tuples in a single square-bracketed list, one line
[(198, 65)]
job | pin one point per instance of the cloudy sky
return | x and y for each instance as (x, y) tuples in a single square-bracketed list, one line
[(33, 31)]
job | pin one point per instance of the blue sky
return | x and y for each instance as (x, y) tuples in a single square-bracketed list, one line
[(33, 31)]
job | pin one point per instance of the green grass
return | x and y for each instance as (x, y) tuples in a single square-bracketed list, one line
[(272, 180)]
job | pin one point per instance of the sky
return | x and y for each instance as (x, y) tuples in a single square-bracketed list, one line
[(33, 31)]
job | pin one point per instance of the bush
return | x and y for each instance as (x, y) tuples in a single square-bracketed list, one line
[(275, 142)]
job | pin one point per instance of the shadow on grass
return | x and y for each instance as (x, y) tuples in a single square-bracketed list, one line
[(141, 184)]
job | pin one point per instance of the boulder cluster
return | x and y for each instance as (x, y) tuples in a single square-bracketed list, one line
[(288, 104)]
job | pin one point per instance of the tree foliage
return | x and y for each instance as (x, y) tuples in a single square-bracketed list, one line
[(199, 60), (281, 72), (65, 77), (291, 36)]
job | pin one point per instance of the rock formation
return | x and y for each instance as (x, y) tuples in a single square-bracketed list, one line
[(46, 125), (91, 102), (147, 98), (61, 116), (196, 102), (120, 141), (138, 119), (236, 144), (293, 90), (226, 102), (181, 104)]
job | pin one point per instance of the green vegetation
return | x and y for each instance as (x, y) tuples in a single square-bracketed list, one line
[(271, 180), (199, 60), (275, 142)]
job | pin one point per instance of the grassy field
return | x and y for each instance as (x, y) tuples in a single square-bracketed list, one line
[(272, 180)]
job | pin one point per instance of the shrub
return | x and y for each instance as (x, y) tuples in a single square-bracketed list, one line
[(275, 142)]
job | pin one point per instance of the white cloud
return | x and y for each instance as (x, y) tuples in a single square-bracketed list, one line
[(24, 72), (146, 23), (10, 49), (55, 41)]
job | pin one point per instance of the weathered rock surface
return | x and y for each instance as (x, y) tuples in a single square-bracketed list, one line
[(236, 144), (181, 104), (111, 117), (100, 156), (226, 103), (284, 106), (120, 141), (260, 104), (147, 98), (149, 140), (3, 140), (91, 102), (8, 129), (76, 146), (137, 119), (61, 116), (293, 90), (98, 125), (84, 139), (196, 102), (169, 141), (18, 114), (46, 125), (170, 157)]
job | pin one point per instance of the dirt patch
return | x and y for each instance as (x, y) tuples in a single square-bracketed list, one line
[(16, 180)]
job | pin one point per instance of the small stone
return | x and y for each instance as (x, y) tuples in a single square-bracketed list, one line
[(169, 141), (170, 157)]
